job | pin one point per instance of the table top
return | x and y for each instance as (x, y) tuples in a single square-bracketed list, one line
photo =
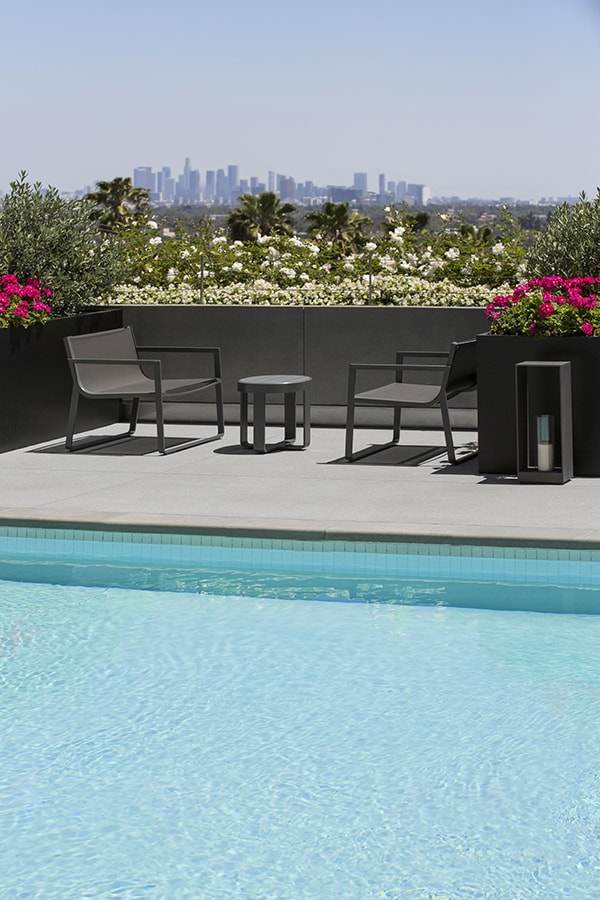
[(273, 382)]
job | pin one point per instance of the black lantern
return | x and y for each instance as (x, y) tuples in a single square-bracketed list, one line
[(544, 421)]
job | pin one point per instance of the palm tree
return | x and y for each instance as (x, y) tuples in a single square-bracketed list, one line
[(118, 204), (335, 222), (259, 215)]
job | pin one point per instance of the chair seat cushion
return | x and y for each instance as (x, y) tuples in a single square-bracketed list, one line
[(400, 392), (185, 385)]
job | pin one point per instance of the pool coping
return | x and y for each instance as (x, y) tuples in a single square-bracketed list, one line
[(588, 539)]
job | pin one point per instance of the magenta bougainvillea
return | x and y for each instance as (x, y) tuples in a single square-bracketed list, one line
[(545, 307), (23, 304)]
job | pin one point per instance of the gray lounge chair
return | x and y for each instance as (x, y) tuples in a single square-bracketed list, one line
[(107, 365), (457, 368)]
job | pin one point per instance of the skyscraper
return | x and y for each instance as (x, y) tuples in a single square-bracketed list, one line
[(209, 188), (221, 187), (360, 182), (233, 183), (144, 177)]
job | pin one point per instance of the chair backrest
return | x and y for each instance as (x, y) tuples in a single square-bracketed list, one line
[(119, 343), (462, 367)]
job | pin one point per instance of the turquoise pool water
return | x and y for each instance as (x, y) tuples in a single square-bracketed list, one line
[(323, 736)]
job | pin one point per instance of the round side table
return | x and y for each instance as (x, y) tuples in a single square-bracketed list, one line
[(258, 386)]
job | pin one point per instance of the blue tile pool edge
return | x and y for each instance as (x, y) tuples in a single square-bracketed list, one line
[(369, 558)]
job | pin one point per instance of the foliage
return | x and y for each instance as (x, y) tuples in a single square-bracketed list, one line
[(260, 215), (491, 253), (391, 290), (117, 204), (545, 307), (23, 305), (345, 230), (207, 266), (570, 244), (46, 237)]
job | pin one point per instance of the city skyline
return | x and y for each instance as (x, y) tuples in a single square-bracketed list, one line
[(475, 100), (225, 185)]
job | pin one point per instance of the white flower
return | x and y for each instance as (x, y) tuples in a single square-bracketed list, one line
[(171, 275), (370, 246), (263, 239), (397, 235), (185, 254), (289, 273), (155, 241), (498, 249), (152, 224), (452, 253), (219, 239), (388, 263), (349, 267), (237, 266)]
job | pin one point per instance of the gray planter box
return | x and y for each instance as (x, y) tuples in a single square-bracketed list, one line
[(315, 341), (497, 356), (36, 382)]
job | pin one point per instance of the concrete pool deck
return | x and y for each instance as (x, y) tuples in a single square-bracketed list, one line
[(312, 493)]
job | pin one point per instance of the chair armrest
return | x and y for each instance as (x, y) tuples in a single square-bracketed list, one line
[(394, 367), (433, 354), (170, 348), (88, 360)]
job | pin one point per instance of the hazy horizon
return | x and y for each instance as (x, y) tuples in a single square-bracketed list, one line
[(473, 100)]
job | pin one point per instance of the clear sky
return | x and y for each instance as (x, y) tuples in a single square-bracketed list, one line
[(472, 97)]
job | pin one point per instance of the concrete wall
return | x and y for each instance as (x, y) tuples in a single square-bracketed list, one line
[(316, 341)]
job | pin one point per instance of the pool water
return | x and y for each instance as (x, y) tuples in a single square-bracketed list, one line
[(195, 743)]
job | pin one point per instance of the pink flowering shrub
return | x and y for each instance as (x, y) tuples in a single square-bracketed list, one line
[(548, 306), (23, 304)]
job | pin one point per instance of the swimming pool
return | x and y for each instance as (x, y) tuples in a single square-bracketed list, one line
[(175, 738)]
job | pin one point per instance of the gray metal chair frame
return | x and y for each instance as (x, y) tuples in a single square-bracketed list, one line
[(107, 365), (458, 375)]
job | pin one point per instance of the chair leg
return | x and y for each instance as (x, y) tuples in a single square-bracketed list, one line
[(350, 415), (186, 445), (220, 410), (452, 457), (135, 406), (160, 423), (352, 456), (397, 421), (91, 443), (71, 420), (447, 430)]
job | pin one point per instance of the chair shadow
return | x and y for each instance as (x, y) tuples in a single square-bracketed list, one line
[(136, 445), (398, 455)]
